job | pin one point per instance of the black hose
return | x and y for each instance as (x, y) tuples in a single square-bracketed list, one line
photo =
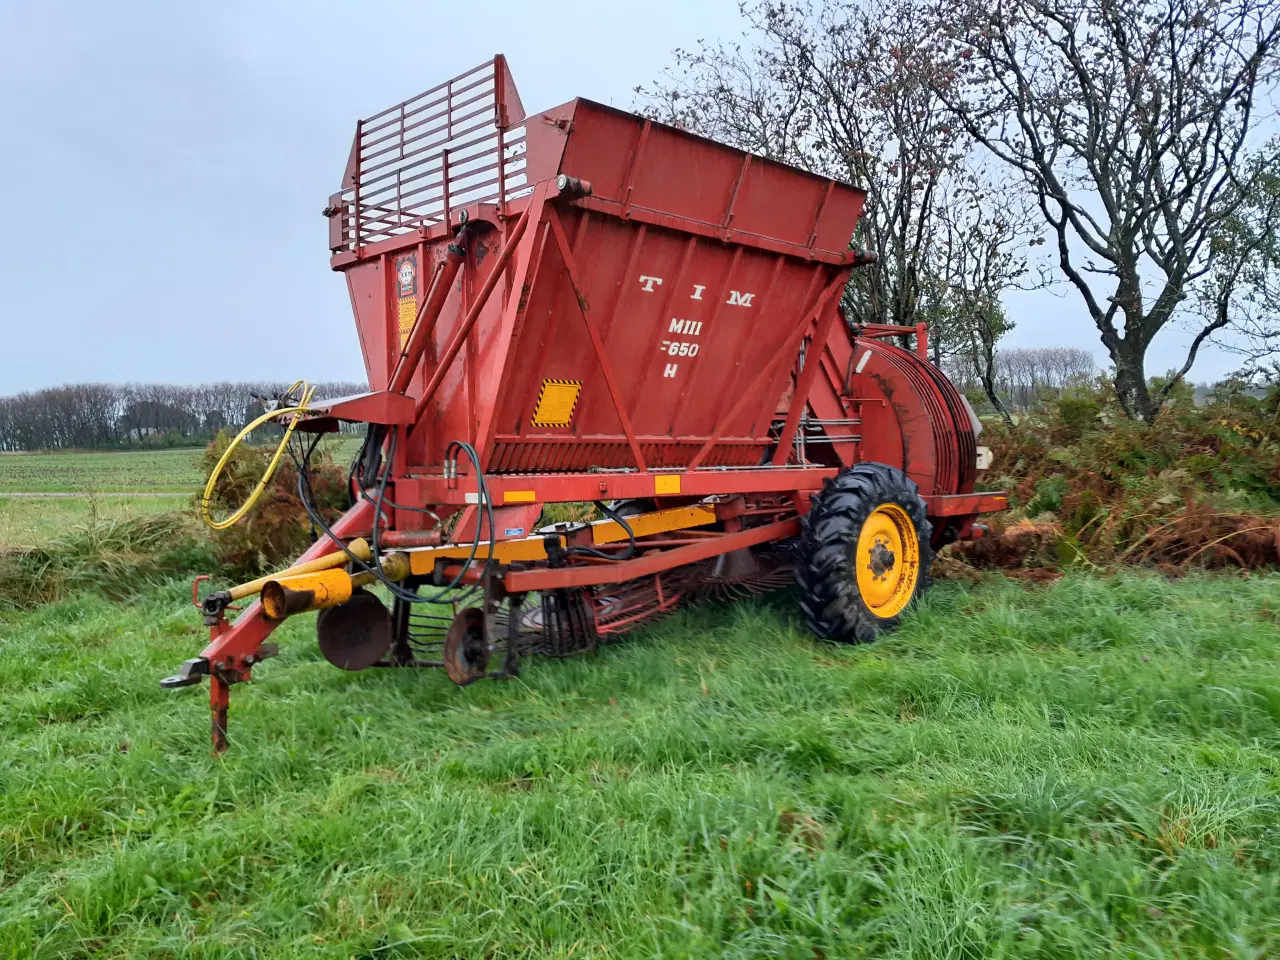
[(355, 465), (306, 495), (485, 501), (592, 552)]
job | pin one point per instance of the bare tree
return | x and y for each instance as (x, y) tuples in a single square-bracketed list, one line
[(1134, 123), (1242, 294), (1026, 375), (981, 252)]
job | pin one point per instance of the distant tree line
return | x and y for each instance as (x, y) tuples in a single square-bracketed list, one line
[(1025, 377), (106, 415)]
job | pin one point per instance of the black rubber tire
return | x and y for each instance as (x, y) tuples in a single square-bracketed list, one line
[(832, 604)]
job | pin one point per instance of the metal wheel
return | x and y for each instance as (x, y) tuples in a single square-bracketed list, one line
[(466, 648), (887, 560), (354, 635)]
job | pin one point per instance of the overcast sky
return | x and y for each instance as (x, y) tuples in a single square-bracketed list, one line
[(164, 166)]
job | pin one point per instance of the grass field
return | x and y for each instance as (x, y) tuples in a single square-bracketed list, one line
[(1079, 770), (177, 471), (103, 485), (152, 470), (27, 521)]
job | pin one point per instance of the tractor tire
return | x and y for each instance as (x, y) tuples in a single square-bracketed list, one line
[(864, 553)]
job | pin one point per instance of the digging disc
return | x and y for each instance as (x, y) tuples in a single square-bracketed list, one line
[(356, 634), (466, 652)]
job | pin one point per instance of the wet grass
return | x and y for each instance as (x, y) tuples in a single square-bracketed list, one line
[(1084, 769)]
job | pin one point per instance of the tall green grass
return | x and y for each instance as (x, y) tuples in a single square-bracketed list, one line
[(30, 521), (1080, 770), (114, 556)]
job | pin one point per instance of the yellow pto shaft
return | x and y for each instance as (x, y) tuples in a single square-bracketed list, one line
[(283, 596), (359, 548)]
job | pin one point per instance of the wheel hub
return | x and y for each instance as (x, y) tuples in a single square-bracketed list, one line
[(882, 559), (887, 560)]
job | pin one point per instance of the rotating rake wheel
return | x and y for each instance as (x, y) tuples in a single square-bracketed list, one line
[(864, 555), (568, 624)]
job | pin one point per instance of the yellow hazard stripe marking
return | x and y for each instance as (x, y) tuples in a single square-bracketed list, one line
[(557, 401)]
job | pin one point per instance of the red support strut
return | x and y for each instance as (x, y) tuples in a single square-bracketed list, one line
[(234, 649)]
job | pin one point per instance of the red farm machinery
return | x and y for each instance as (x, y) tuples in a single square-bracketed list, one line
[(584, 306)]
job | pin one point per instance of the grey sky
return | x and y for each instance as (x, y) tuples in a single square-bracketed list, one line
[(164, 166)]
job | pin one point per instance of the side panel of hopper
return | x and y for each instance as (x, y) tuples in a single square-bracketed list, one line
[(697, 263), (700, 269), (688, 325)]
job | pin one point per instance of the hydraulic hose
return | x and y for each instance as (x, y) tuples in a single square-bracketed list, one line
[(373, 564), (206, 498)]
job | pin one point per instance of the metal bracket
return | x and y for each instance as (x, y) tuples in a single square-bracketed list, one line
[(494, 594), (189, 674)]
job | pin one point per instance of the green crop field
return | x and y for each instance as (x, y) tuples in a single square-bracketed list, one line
[(152, 470), (1084, 769), (177, 470)]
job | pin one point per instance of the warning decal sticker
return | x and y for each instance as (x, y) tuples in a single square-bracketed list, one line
[(556, 403), (406, 294)]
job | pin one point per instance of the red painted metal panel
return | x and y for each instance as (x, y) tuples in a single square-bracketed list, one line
[(366, 286), (553, 487), (678, 303), (966, 504), (682, 324), (380, 407), (909, 415), (760, 197), (680, 320)]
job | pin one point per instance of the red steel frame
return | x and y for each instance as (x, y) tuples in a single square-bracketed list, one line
[(522, 219)]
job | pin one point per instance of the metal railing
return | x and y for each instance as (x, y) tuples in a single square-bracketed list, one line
[(414, 164)]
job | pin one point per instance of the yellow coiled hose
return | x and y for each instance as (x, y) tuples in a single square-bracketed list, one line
[(206, 498)]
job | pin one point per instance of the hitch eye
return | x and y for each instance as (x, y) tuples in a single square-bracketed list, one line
[(189, 674)]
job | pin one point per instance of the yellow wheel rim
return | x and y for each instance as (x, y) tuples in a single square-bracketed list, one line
[(888, 560)]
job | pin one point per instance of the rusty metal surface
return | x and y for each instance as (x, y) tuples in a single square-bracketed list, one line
[(466, 647), (355, 635)]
